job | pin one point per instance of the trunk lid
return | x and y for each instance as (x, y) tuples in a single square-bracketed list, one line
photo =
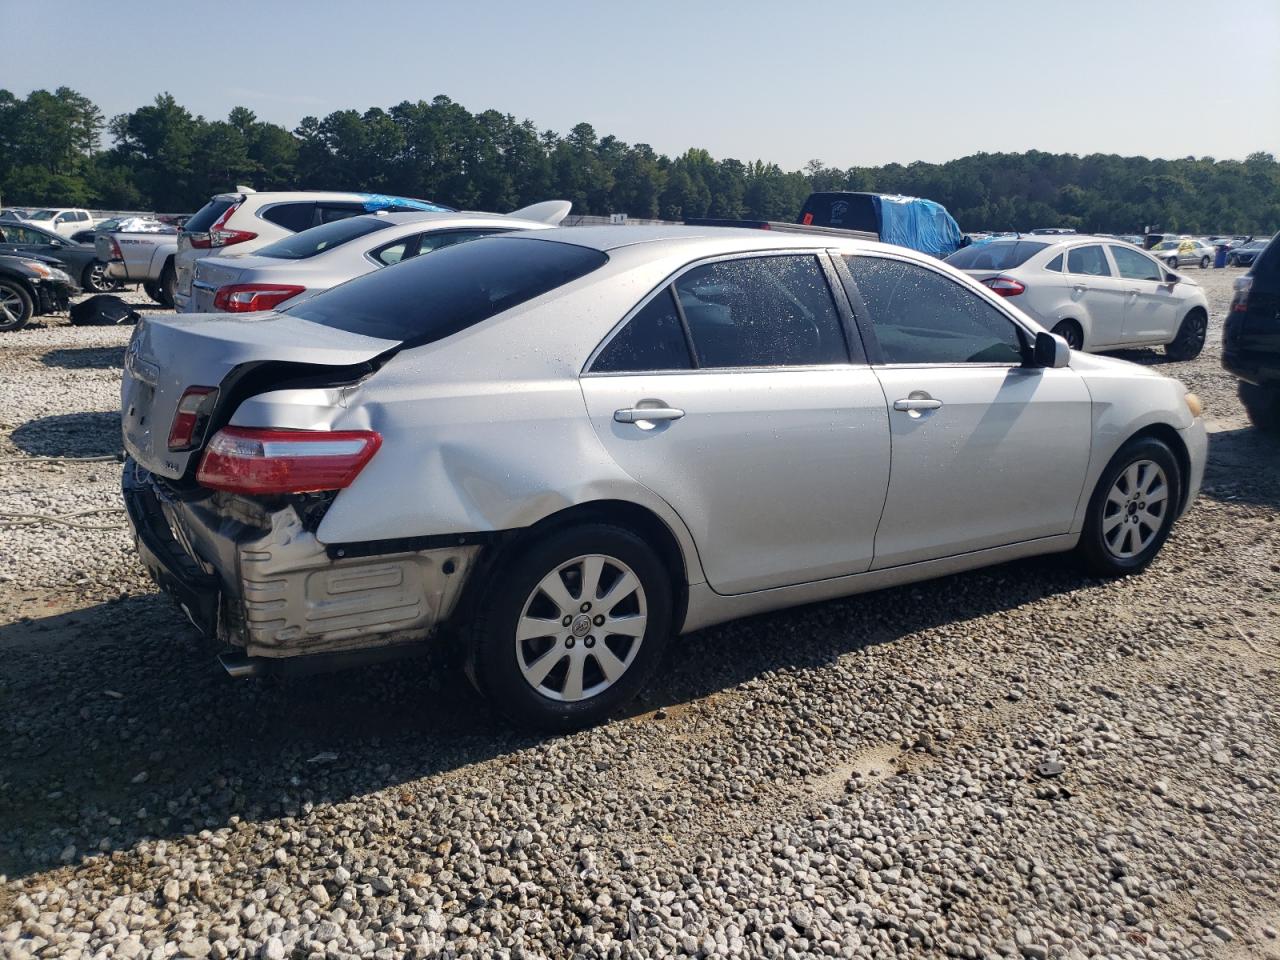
[(169, 354)]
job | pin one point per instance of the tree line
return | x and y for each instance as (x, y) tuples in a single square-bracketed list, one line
[(58, 148)]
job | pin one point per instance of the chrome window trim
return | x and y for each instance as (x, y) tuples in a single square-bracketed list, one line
[(815, 252)]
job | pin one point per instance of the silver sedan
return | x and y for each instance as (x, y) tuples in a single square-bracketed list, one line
[(303, 264), (561, 449)]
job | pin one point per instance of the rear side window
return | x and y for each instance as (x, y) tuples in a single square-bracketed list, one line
[(997, 255), (309, 243), (1134, 266), (922, 317), (762, 312), (429, 298), (447, 238), (1089, 261), (291, 216), (330, 212), (1055, 265), (652, 340), (208, 215)]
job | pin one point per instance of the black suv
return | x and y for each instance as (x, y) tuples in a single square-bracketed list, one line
[(1251, 338)]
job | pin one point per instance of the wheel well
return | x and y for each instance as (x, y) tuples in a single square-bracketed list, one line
[(639, 520), (168, 263), (1173, 440)]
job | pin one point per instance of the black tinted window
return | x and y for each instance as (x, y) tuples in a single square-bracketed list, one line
[(652, 340), (920, 316), (1055, 264), (762, 312), (320, 239), (291, 216), (339, 211), (997, 255), (429, 298), (207, 216), (447, 238), (1134, 266), (1089, 261)]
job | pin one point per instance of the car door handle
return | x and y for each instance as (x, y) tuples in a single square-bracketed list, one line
[(1079, 287), (642, 414), (917, 403)]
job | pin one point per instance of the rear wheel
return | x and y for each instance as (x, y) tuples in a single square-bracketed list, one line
[(571, 628), (1132, 509), (1262, 404), (16, 306), (1204, 263), (95, 279), (1190, 339), (168, 286), (153, 291), (1071, 332)]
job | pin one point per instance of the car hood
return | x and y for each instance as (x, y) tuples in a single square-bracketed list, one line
[(1092, 363), (169, 354)]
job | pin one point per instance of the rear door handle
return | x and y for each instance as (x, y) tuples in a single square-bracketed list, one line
[(916, 403), (642, 414), (1079, 287)]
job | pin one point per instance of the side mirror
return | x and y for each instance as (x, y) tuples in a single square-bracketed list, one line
[(1051, 351), (1170, 277)]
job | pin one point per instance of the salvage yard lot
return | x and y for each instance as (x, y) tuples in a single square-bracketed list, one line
[(1019, 761)]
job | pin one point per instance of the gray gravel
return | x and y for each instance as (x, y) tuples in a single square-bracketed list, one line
[(1019, 762)]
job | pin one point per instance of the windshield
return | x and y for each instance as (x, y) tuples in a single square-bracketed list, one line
[(43, 215), (997, 255), (429, 298), (327, 236)]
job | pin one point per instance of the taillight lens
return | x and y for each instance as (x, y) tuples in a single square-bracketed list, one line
[(249, 297), (261, 462), (116, 252), (1005, 286), (219, 235), (1240, 294), (194, 410)]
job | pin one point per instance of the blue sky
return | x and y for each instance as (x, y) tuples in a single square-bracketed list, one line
[(848, 82)]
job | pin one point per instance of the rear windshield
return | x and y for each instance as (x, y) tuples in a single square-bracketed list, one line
[(997, 255), (308, 243), (208, 215), (430, 298), (849, 211)]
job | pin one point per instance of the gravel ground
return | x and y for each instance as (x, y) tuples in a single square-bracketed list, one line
[(1018, 762)]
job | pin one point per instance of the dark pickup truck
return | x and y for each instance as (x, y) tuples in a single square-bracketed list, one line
[(1251, 338), (906, 221)]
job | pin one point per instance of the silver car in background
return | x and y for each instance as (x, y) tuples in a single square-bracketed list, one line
[(559, 449), (301, 265)]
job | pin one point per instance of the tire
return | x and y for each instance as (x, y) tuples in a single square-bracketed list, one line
[(1191, 336), (1070, 331), (514, 672), (168, 286), (152, 290), (1262, 404), (19, 307), (1117, 548), (1172, 262), (1204, 263), (95, 280)]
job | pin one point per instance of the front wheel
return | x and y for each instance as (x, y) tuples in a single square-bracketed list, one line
[(571, 628), (16, 305), (1262, 404), (1172, 262), (1132, 509), (1190, 339)]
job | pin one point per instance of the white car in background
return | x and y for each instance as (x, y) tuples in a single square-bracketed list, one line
[(62, 221), (1097, 293), (299, 266), (246, 220)]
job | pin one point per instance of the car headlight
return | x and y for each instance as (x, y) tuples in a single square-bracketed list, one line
[(56, 274), (38, 268), (1193, 404)]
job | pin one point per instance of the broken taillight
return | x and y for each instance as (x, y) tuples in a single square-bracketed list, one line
[(263, 461), (192, 417)]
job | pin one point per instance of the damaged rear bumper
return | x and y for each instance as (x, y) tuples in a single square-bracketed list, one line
[(274, 592)]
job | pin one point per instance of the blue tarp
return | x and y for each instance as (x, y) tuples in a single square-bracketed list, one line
[(919, 224), (380, 201)]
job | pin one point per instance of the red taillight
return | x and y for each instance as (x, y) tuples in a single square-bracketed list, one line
[(219, 235), (116, 252), (248, 297), (260, 462), (1005, 286), (187, 429)]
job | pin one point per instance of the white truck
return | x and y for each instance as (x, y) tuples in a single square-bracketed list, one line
[(63, 221), (145, 258)]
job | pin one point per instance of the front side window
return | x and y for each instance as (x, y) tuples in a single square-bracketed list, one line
[(774, 311), (1134, 266), (920, 316), (652, 340), (1089, 261)]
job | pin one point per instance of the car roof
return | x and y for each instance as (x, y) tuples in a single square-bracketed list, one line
[(713, 239), (425, 216)]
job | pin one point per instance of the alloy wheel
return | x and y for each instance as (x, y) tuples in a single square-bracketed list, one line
[(11, 306), (581, 628), (1135, 509)]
